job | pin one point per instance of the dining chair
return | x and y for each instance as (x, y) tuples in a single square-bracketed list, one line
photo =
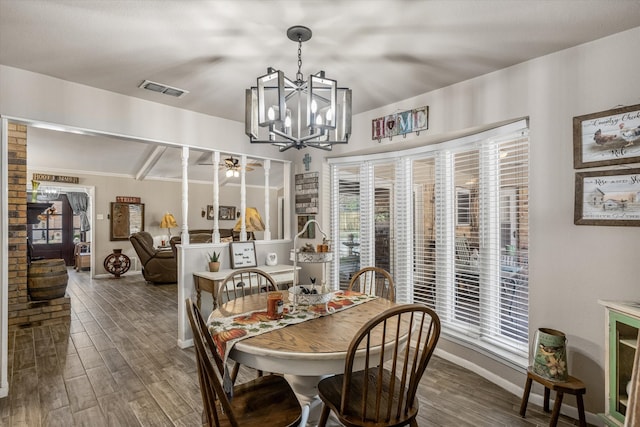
[(246, 281), (265, 401), (373, 281), (240, 283), (396, 346)]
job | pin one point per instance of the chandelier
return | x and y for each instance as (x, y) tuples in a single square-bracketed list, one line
[(298, 113)]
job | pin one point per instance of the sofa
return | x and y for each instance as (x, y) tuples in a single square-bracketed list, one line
[(158, 266), (204, 236)]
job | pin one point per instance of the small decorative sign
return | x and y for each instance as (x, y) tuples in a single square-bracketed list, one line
[(243, 254), (56, 178), (127, 199), (307, 185), (400, 123)]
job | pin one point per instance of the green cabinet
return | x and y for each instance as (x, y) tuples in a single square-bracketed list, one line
[(623, 324)]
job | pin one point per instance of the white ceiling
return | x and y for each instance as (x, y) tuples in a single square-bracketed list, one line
[(384, 50)]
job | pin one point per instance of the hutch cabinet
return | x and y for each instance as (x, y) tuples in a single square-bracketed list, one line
[(623, 324)]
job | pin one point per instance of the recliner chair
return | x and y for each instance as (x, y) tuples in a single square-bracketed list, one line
[(157, 266)]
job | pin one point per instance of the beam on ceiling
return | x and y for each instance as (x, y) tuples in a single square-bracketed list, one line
[(151, 162)]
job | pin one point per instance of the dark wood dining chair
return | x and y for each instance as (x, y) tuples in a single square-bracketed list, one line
[(397, 346), (373, 281), (243, 282), (265, 401), (246, 281)]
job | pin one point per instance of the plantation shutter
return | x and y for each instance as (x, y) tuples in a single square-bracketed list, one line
[(449, 221)]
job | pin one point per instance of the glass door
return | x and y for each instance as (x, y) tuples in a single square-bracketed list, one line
[(53, 236)]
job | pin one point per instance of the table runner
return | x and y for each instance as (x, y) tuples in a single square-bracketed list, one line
[(227, 331)]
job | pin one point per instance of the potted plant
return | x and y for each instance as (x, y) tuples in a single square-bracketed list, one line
[(214, 261)]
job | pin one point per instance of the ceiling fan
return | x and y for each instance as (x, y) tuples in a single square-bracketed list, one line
[(230, 163), (232, 166)]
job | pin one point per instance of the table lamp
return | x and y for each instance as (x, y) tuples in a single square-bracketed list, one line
[(253, 221), (168, 221)]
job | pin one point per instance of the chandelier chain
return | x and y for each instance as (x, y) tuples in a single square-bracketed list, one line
[(299, 76)]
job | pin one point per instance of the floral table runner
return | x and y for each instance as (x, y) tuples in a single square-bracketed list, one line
[(226, 331)]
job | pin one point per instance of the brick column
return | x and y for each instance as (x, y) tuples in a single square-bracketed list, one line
[(22, 312)]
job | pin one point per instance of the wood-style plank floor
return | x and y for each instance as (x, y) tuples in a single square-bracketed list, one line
[(117, 364)]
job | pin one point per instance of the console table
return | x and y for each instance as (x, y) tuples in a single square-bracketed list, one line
[(209, 281)]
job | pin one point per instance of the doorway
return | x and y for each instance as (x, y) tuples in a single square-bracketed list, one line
[(57, 232)]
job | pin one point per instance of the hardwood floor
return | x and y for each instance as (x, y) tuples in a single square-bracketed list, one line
[(117, 364)]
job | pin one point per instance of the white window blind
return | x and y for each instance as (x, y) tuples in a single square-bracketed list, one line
[(345, 201), (450, 222)]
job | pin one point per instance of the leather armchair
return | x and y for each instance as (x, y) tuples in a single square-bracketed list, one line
[(157, 266)]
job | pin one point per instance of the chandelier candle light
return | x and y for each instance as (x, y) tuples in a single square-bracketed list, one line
[(286, 113)]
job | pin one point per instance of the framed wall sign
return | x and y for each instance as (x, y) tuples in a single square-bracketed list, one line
[(125, 219), (226, 212), (243, 254), (608, 197), (307, 188), (607, 138), (210, 214)]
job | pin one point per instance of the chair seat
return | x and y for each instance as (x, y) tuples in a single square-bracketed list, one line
[(265, 401), (330, 391)]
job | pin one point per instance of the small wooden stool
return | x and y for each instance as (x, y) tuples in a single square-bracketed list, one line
[(572, 386)]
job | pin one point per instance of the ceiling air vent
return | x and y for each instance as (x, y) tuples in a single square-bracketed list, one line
[(158, 87)]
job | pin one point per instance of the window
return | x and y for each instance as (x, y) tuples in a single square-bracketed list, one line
[(450, 222)]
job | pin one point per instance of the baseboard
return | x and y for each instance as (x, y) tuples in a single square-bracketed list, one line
[(514, 389), (107, 275), (185, 344)]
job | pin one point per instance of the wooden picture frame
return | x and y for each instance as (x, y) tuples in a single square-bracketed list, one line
[(608, 198), (606, 138), (227, 213), (210, 214), (125, 219), (243, 254)]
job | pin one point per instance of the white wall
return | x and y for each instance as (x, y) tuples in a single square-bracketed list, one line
[(37, 97), (571, 267)]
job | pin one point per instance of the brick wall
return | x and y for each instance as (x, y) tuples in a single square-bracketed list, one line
[(22, 311)]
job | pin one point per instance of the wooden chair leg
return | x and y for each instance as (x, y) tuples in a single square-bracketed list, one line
[(324, 416), (234, 372), (546, 399), (556, 409), (525, 397), (583, 421)]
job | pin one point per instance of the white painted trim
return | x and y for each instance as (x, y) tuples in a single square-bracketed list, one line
[(185, 344), (4, 255), (514, 389), (110, 276)]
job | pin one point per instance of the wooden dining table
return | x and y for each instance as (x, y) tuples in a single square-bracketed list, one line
[(304, 352)]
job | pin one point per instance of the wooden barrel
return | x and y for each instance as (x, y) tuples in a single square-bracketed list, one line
[(47, 279)]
